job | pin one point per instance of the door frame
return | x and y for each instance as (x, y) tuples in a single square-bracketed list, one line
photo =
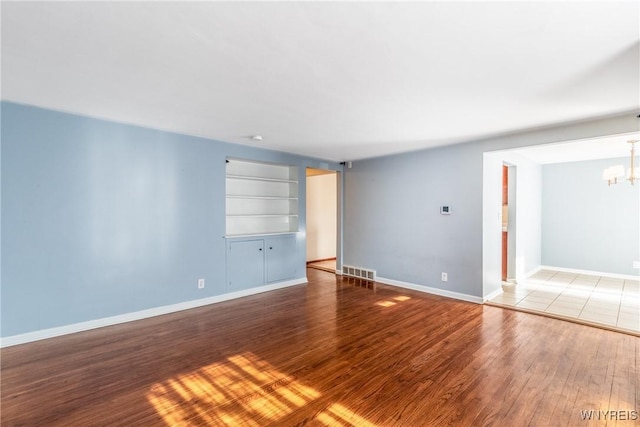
[(339, 211)]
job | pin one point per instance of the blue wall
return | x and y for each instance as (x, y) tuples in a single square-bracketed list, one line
[(392, 222), (101, 218), (586, 224)]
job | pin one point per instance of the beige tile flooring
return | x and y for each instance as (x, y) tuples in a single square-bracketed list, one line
[(598, 300)]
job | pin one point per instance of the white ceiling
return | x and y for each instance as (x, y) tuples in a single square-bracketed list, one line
[(335, 80)]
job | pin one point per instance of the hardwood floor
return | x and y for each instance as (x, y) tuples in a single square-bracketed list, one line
[(324, 265), (334, 352)]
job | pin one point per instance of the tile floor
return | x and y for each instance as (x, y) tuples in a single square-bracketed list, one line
[(599, 300)]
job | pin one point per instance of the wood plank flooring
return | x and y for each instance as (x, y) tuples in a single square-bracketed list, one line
[(324, 265), (334, 352)]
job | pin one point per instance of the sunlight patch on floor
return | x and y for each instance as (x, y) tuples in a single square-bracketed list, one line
[(609, 302), (389, 303), (240, 390), (337, 414)]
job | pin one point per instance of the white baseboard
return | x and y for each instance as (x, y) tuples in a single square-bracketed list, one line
[(142, 314), (430, 290), (492, 295), (590, 273)]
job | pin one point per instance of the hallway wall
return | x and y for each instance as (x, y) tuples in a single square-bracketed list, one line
[(321, 216)]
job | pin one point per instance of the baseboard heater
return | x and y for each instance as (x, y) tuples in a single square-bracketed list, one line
[(360, 273)]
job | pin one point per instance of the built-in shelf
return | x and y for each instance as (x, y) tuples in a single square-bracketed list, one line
[(256, 178), (259, 215), (261, 198), (231, 236)]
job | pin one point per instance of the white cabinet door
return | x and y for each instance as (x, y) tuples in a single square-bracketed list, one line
[(245, 264)]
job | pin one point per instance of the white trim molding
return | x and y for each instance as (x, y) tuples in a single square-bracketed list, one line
[(430, 290), (492, 295), (139, 315)]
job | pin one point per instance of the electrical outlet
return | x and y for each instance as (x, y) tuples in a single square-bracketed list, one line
[(636, 264), (200, 283), (444, 277)]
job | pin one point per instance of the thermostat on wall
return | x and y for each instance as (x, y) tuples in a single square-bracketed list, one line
[(445, 210)]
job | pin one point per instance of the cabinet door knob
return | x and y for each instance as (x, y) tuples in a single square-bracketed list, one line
[(270, 247), (260, 249)]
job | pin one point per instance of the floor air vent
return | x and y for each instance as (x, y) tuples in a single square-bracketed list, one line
[(361, 273)]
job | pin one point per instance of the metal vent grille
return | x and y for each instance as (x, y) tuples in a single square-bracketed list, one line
[(361, 273)]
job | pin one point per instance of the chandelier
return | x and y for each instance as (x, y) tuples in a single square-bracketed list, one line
[(615, 174)]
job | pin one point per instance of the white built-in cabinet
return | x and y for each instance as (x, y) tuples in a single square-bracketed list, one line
[(261, 198), (261, 222), (255, 261)]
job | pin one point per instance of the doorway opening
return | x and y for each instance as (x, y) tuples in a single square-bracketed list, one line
[(568, 260), (322, 219), (508, 222), (505, 220)]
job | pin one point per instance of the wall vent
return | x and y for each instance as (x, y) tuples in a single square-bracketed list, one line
[(360, 273)]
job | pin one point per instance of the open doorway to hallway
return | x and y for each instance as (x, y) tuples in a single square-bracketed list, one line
[(322, 216)]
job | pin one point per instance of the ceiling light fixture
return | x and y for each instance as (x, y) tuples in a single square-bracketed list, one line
[(615, 174), (256, 138)]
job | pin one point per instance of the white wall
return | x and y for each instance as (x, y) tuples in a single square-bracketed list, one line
[(321, 216), (512, 221)]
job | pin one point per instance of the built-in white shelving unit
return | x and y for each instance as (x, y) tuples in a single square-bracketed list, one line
[(262, 198)]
